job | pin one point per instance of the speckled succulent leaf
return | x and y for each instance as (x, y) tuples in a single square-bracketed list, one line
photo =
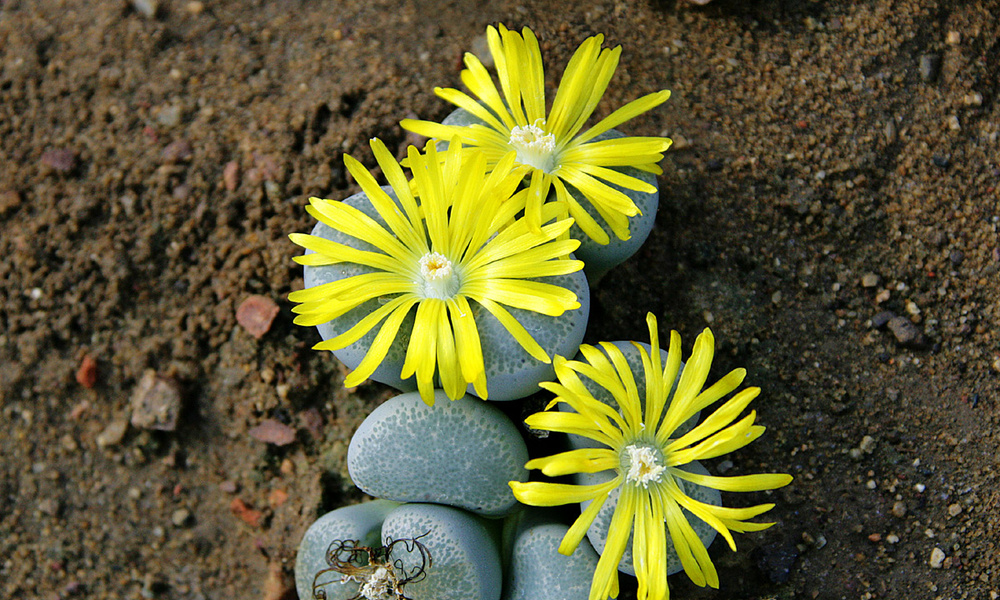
[(537, 570), (459, 453), (361, 523), (465, 559)]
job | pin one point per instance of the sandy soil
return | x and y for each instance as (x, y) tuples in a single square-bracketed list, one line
[(833, 161)]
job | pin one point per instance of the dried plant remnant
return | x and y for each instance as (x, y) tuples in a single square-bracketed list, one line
[(380, 575)]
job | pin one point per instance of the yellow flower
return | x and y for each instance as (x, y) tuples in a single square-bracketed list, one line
[(643, 452), (550, 149), (450, 240)]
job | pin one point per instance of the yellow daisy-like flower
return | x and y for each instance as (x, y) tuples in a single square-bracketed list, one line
[(451, 239), (641, 448), (550, 149)]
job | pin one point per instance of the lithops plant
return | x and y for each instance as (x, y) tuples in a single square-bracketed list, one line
[(643, 455), (316, 569), (460, 453), (536, 569), (460, 558), (580, 170), (438, 284)]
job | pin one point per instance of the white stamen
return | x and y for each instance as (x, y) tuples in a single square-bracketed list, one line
[(379, 585), (435, 266), (439, 277), (534, 146), (643, 465)]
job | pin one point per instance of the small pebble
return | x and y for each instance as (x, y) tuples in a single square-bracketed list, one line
[(256, 314), (231, 175), (146, 8), (195, 7), (69, 443), (180, 517), (937, 558), (9, 200), (930, 64), (954, 510), (953, 123), (953, 38), (169, 115), (882, 319), (177, 151), (973, 99), (49, 506), (920, 488), (940, 161), (906, 333), (113, 434), (86, 374), (156, 403), (61, 160), (892, 538), (899, 509), (869, 280), (228, 487), (273, 432), (867, 444)]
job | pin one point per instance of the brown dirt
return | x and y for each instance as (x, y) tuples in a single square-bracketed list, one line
[(151, 168)]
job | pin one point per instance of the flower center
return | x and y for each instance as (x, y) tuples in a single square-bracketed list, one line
[(379, 585), (439, 278), (534, 146), (643, 465)]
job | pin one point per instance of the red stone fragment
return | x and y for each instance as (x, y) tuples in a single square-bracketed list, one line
[(273, 432), (277, 497), (256, 314), (86, 374), (61, 160), (312, 420), (248, 515)]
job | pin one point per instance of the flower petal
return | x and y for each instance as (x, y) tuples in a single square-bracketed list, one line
[(625, 113), (383, 340), (583, 460), (582, 523), (740, 483), (606, 573), (538, 493)]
